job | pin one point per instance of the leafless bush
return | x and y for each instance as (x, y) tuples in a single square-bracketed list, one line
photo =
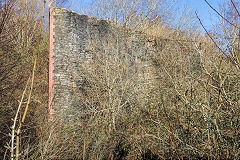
[(189, 108), (19, 27), (131, 13)]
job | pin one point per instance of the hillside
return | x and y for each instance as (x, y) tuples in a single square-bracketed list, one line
[(106, 90)]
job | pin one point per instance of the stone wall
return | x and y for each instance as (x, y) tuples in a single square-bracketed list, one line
[(73, 40), (73, 37)]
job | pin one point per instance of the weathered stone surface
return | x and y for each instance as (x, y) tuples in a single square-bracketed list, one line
[(76, 37)]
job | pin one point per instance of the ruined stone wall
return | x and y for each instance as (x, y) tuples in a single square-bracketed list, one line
[(73, 37)]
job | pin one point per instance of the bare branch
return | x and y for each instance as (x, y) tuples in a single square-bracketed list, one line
[(220, 14)]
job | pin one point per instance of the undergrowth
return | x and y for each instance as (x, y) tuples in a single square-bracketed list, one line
[(187, 109)]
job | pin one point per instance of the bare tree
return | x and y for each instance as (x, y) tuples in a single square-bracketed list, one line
[(131, 13)]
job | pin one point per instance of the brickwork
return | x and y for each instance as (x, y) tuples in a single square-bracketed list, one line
[(51, 60)]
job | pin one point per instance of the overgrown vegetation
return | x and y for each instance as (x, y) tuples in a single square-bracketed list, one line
[(189, 108)]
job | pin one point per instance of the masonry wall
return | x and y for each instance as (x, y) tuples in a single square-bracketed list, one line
[(72, 40)]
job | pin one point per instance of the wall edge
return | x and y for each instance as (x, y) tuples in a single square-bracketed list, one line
[(51, 59)]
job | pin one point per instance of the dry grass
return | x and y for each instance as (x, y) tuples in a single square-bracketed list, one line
[(189, 109)]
